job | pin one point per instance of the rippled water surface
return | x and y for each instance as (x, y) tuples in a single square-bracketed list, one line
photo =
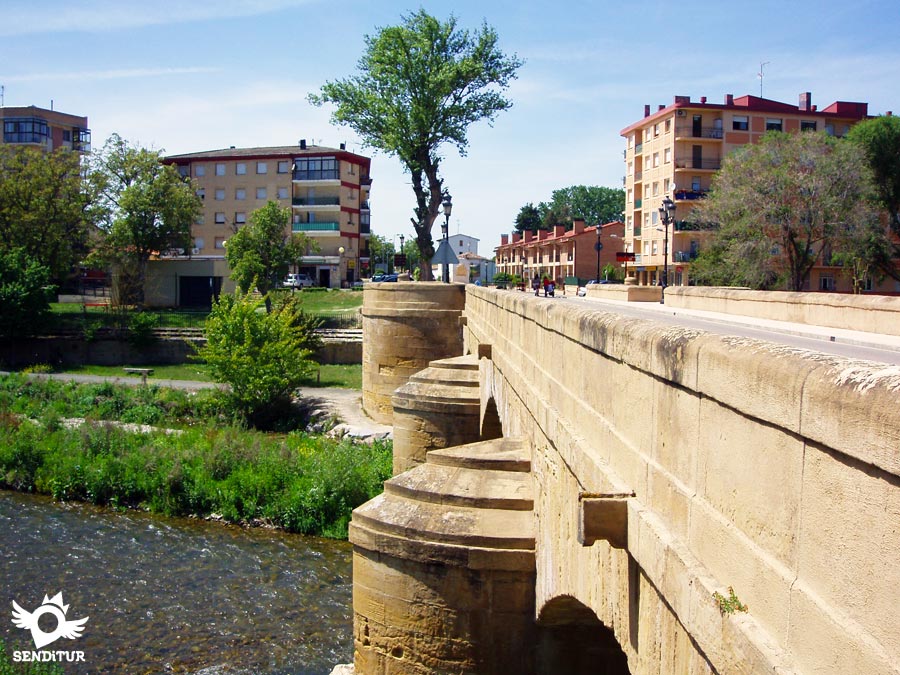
[(171, 595)]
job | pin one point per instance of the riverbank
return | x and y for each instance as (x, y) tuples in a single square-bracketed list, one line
[(214, 469)]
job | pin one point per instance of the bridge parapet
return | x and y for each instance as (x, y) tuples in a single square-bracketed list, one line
[(767, 469)]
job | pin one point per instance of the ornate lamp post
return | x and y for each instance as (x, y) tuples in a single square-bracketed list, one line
[(598, 247), (445, 229), (667, 215)]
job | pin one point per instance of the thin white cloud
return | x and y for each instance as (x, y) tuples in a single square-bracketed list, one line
[(106, 15), (114, 74)]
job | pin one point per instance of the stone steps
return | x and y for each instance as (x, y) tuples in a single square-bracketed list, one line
[(502, 454), (475, 488)]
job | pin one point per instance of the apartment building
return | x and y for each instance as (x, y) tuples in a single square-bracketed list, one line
[(560, 254), (45, 129), (675, 152), (327, 190)]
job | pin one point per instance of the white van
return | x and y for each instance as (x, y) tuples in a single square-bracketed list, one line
[(298, 281)]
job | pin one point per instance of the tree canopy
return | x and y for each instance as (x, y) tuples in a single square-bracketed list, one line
[(147, 208), (24, 293), (260, 252), (780, 205), (420, 85), (880, 140), (45, 206), (592, 203)]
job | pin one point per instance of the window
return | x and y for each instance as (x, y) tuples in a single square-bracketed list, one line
[(695, 183), (200, 170), (647, 135), (656, 130), (240, 169), (773, 124), (284, 166), (829, 129), (666, 185), (282, 193), (655, 247), (220, 218), (262, 167), (220, 194), (199, 243), (740, 123), (240, 218), (668, 125), (219, 242), (656, 189), (25, 130), (629, 196), (67, 136), (261, 193), (667, 156), (183, 171), (654, 217), (807, 125), (220, 169), (826, 283), (655, 159), (201, 193), (316, 168), (240, 194)]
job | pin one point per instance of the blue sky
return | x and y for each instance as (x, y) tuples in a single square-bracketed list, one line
[(205, 74)]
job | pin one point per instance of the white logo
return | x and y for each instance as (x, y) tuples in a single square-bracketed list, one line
[(54, 606)]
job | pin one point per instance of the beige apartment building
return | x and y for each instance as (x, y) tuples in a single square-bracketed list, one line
[(326, 188), (675, 152), (45, 129)]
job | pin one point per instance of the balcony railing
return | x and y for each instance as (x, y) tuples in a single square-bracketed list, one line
[(638, 175), (690, 194), (638, 203), (329, 174), (316, 201), (690, 131), (683, 256), (639, 148), (702, 164), (315, 227), (637, 230), (688, 226)]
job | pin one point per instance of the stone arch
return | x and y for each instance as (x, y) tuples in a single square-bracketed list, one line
[(573, 640), (491, 426)]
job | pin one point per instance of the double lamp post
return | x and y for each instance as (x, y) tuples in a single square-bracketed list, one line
[(667, 216)]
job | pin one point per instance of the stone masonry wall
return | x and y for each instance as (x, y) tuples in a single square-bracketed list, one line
[(771, 470)]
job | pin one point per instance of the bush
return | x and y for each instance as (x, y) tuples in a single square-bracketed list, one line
[(263, 356), (24, 294)]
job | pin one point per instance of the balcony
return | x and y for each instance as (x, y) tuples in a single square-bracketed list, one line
[(698, 164), (325, 174), (683, 256), (638, 175), (690, 131), (637, 230), (639, 148), (638, 259), (315, 227), (316, 201), (638, 203), (688, 226), (688, 195)]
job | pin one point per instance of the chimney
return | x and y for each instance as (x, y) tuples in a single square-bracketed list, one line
[(578, 225), (805, 102), (815, 108), (528, 235), (646, 111), (303, 144), (559, 230), (703, 99), (729, 99), (517, 236), (343, 146), (661, 106), (504, 239)]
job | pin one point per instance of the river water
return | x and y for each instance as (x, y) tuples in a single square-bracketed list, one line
[(168, 595)]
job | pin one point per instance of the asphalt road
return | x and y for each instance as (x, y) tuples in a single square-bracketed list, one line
[(850, 344)]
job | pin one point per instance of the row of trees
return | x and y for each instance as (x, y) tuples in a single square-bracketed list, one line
[(792, 200), (591, 203)]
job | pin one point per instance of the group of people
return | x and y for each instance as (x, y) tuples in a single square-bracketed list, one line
[(548, 284)]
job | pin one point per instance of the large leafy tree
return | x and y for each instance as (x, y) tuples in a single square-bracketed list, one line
[(529, 218), (260, 252), (783, 201), (148, 209), (45, 206), (880, 140), (420, 85)]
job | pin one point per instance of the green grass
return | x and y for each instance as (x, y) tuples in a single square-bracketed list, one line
[(8, 667), (328, 301), (329, 375), (302, 483)]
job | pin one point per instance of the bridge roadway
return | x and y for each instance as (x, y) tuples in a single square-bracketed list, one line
[(846, 343)]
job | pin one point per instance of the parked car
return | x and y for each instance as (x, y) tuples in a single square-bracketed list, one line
[(582, 290), (298, 281)]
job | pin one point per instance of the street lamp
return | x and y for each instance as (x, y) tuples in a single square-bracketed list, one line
[(667, 215), (598, 247), (445, 230)]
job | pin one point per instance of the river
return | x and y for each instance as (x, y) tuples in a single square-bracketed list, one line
[(166, 595)]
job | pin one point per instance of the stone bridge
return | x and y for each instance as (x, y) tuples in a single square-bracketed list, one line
[(609, 495)]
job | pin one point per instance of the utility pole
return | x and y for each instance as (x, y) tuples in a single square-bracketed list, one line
[(761, 74)]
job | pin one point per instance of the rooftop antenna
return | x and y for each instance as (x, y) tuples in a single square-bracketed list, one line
[(760, 75), (2, 91)]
